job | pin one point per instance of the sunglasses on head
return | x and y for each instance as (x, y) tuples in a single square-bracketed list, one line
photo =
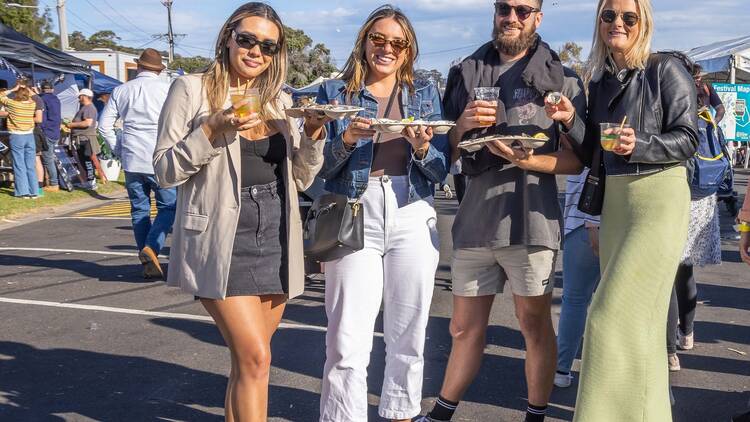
[(397, 44), (249, 41), (629, 18), (523, 12)]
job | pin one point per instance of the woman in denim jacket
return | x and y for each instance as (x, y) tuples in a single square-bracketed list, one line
[(392, 176)]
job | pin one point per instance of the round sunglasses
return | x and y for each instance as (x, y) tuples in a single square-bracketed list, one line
[(523, 12), (249, 41), (629, 18), (397, 44)]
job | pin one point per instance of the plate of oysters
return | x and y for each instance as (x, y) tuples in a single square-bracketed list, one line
[(523, 141), (439, 127), (337, 112)]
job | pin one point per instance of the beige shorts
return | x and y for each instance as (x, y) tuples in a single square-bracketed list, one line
[(484, 271)]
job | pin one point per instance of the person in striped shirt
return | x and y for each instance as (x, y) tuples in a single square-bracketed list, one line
[(22, 115)]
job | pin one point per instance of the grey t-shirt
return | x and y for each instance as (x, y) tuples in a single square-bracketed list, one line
[(506, 205), (86, 112)]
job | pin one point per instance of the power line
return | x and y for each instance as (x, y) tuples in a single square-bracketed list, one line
[(125, 30), (450, 50), (125, 18)]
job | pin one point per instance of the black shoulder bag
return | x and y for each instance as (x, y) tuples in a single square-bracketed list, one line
[(592, 195), (335, 225)]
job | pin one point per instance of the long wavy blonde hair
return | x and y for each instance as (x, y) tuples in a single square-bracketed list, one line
[(270, 82), (356, 68), (637, 57)]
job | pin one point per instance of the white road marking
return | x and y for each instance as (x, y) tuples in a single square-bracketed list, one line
[(172, 315), (90, 218), (78, 251)]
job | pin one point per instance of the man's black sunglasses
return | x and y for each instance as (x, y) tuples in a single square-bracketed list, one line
[(629, 18), (523, 12), (249, 41)]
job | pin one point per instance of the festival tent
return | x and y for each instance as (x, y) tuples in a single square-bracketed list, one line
[(28, 55), (725, 60)]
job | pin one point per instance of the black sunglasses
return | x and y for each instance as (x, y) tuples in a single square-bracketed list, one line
[(629, 18), (249, 41), (397, 44), (523, 12)]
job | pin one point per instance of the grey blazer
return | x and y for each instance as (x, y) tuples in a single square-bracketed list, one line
[(208, 177)]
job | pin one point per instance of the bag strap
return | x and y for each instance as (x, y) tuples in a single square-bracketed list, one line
[(388, 107)]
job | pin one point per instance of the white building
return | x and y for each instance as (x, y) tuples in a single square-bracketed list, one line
[(115, 64)]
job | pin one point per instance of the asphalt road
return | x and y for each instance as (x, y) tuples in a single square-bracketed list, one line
[(83, 337)]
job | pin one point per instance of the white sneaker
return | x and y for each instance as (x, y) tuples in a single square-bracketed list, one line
[(563, 380), (673, 362), (448, 192), (685, 341)]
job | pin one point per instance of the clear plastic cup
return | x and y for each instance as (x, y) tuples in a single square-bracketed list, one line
[(610, 135), (491, 94), (246, 103)]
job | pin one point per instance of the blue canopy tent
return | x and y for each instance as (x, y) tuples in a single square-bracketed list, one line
[(725, 60)]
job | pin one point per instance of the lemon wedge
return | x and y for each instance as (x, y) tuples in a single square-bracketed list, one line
[(541, 136)]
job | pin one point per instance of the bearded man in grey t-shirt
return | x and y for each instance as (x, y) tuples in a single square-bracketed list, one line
[(507, 230)]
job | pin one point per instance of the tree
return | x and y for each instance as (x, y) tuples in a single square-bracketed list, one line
[(570, 55), (104, 39), (190, 64), (306, 62), (28, 20)]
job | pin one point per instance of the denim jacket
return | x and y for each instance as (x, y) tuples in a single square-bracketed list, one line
[(348, 172)]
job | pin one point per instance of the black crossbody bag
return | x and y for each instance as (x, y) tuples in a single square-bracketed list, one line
[(335, 226), (592, 195)]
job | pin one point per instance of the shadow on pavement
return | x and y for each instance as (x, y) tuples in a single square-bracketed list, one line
[(37, 384), (715, 332), (303, 352), (711, 405), (98, 270), (723, 296)]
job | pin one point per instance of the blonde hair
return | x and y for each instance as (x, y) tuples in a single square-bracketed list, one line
[(23, 94), (269, 83), (356, 68), (637, 57)]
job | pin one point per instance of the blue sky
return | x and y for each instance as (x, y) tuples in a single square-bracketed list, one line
[(447, 29)]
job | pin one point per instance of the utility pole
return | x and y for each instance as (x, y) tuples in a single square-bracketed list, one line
[(61, 20), (170, 34)]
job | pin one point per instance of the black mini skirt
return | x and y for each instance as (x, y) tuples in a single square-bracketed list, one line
[(260, 259)]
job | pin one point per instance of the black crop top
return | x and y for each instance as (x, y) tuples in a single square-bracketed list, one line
[(262, 160)]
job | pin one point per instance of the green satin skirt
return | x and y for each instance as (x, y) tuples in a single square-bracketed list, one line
[(624, 374)]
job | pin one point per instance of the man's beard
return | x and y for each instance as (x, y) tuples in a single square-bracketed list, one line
[(516, 45)]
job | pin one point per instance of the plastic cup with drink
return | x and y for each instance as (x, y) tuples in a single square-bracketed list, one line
[(610, 134), (246, 103), (491, 94)]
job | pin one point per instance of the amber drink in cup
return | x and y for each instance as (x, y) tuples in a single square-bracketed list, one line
[(610, 135), (491, 94), (246, 103)]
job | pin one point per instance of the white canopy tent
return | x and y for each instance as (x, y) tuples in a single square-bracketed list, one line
[(728, 60)]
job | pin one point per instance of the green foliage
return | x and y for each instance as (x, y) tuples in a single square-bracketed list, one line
[(195, 64), (570, 55), (32, 22), (306, 62)]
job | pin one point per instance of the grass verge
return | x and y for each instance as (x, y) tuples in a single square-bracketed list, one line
[(17, 207)]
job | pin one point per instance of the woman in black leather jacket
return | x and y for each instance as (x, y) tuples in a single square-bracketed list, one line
[(644, 217)]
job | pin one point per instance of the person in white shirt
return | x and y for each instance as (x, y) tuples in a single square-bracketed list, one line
[(138, 103)]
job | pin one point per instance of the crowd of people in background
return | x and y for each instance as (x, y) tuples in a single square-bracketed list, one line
[(226, 182)]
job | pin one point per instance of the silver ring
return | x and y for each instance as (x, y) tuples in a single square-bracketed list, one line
[(233, 122)]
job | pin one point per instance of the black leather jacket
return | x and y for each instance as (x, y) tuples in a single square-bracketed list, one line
[(661, 106)]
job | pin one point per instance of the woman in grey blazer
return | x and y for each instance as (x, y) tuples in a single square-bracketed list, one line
[(237, 240)]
